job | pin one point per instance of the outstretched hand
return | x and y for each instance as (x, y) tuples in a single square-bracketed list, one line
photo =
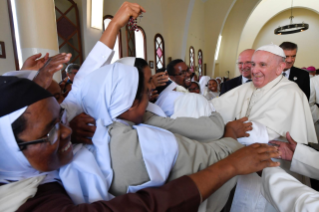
[(34, 62), (253, 158), (287, 149), (238, 128), (46, 72)]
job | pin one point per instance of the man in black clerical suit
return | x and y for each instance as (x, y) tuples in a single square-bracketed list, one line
[(299, 76), (244, 66)]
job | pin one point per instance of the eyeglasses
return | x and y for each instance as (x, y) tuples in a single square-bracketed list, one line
[(193, 89), (52, 135), (245, 63), (182, 73)]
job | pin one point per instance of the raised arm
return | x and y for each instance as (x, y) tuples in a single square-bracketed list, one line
[(100, 55)]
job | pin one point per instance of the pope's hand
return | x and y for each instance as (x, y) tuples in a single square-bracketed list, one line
[(287, 149), (46, 72), (253, 158), (239, 127)]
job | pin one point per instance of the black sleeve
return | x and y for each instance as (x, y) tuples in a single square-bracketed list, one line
[(222, 89), (178, 195)]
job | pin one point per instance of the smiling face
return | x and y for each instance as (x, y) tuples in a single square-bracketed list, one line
[(290, 58), (41, 117), (265, 68), (194, 88), (182, 75), (244, 63), (212, 85)]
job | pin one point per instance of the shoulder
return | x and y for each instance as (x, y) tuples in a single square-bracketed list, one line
[(300, 72), (288, 87), (233, 81), (119, 129)]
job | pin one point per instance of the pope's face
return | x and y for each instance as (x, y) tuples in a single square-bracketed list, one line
[(290, 58), (265, 68)]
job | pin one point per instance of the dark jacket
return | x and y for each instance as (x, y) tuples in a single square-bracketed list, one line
[(301, 77), (230, 84)]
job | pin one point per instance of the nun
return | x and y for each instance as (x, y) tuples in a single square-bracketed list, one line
[(30, 158), (35, 143)]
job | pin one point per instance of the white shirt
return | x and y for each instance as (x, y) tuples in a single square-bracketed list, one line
[(314, 98), (244, 79), (100, 55), (304, 161), (286, 193), (287, 73)]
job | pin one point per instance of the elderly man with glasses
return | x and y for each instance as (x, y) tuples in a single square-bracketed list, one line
[(244, 66)]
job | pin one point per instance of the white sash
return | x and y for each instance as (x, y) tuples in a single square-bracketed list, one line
[(155, 109), (160, 151), (89, 176)]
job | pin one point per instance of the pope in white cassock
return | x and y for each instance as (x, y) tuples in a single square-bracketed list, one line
[(275, 106)]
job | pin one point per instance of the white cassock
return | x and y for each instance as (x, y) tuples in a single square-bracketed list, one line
[(285, 192), (313, 100), (278, 107)]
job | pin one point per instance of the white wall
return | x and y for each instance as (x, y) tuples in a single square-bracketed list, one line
[(231, 35), (307, 41), (6, 64)]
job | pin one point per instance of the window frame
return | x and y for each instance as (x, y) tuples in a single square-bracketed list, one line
[(163, 42)]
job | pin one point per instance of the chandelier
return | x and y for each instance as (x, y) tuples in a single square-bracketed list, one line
[(291, 28)]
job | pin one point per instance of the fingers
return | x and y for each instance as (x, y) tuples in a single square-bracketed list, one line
[(268, 155), (276, 142), (243, 119), (82, 140), (268, 163), (34, 57), (83, 133), (289, 138), (266, 148)]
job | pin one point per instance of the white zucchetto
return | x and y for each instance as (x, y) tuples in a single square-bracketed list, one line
[(274, 49)]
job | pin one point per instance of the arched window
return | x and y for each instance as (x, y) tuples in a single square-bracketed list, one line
[(200, 62), (140, 43), (159, 48), (118, 44), (191, 59), (130, 42)]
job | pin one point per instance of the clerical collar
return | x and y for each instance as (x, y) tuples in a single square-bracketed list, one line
[(287, 73), (244, 79)]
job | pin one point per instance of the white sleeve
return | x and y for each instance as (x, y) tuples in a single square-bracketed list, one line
[(314, 98), (286, 193), (258, 134), (100, 55), (305, 161)]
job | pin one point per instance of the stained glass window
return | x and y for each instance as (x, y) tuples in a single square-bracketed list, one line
[(200, 62), (191, 59), (118, 43), (159, 52), (140, 43)]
